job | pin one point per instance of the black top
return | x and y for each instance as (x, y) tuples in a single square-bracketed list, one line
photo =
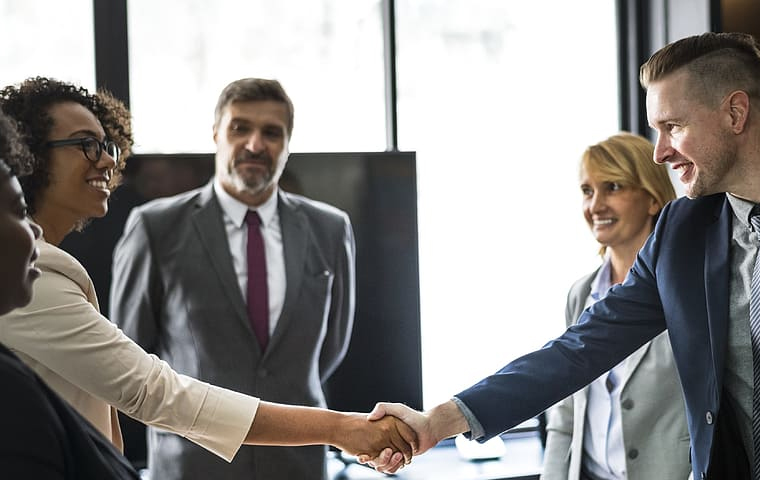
[(42, 437)]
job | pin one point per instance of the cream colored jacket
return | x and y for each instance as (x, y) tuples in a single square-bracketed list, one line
[(653, 415), (89, 362)]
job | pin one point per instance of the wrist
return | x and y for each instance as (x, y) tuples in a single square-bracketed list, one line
[(446, 420)]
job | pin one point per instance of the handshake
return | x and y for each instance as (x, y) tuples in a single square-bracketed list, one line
[(393, 433)]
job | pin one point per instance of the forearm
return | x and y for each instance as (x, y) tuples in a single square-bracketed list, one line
[(446, 420), (276, 424), (287, 425)]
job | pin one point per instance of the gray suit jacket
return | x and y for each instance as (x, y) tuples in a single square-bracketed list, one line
[(175, 292), (655, 434)]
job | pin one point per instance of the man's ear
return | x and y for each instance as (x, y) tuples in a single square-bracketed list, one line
[(738, 108)]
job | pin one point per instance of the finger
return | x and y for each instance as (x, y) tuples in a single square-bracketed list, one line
[(378, 412), (383, 459), (399, 443), (398, 410), (395, 464), (409, 436)]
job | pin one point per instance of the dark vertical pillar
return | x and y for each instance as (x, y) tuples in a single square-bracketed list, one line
[(112, 47), (389, 42), (634, 49)]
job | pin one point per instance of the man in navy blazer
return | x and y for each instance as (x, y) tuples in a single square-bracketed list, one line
[(692, 276)]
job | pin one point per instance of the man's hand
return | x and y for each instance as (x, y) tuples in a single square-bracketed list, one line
[(431, 427), (387, 462), (370, 438), (418, 421)]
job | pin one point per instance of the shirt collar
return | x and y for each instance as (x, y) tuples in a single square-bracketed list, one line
[(235, 210), (741, 208), (602, 281)]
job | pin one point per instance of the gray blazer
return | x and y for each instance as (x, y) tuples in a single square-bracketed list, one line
[(655, 434), (175, 292)]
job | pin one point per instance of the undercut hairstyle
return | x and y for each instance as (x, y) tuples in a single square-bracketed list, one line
[(253, 90), (626, 159), (717, 64), (29, 103), (15, 158)]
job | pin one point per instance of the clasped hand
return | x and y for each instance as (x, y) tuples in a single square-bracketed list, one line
[(411, 424)]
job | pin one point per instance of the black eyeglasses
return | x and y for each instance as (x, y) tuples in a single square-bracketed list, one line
[(92, 147)]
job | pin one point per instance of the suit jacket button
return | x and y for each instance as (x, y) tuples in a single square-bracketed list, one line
[(633, 453), (709, 417), (627, 404)]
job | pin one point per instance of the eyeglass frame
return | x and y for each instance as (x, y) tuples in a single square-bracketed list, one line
[(101, 147)]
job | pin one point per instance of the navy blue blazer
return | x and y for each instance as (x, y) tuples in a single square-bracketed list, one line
[(680, 281)]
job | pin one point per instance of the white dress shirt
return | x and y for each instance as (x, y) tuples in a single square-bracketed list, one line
[(237, 236), (603, 448)]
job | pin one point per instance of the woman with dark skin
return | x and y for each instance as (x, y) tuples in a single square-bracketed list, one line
[(80, 142), (42, 437)]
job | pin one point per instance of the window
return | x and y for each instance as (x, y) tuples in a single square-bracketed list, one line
[(499, 99), (328, 55), (47, 38)]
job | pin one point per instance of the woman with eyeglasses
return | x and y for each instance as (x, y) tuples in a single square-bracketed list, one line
[(80, 142), (42, 437)]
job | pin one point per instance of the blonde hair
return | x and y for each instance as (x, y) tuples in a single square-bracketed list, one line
[(627, 159)]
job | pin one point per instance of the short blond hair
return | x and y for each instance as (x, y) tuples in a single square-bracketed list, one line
[(626, 158)]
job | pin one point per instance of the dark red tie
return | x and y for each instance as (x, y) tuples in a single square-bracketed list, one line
[(258, 296)]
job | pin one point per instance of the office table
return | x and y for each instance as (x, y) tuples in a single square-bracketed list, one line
[(522, 461)]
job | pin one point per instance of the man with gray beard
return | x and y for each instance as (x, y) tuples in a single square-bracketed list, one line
[(240, 284)]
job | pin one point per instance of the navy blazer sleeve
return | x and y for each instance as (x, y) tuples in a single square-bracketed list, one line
[(606, 333)]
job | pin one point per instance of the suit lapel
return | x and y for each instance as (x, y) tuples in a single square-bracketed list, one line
[(580, 404), (717, 265), (633, 361), (209, 224), (295, 240)]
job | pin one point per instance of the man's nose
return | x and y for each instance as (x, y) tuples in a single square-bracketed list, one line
[(663, 150), (254, 143)]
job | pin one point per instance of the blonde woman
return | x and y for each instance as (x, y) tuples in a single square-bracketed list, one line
[(630, 422)]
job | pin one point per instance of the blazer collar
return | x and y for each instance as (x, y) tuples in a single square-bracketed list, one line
[(631, 362), (296, 236), (236, 210), (717, 268), (209, 225)]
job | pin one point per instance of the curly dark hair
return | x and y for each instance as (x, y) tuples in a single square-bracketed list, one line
[(29, 102), (15, 158)]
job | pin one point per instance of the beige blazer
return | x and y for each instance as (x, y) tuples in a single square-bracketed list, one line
[(655, 434), (89, 362)]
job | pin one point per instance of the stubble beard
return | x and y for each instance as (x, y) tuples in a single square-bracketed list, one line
[(253, 185), (708, 181)]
